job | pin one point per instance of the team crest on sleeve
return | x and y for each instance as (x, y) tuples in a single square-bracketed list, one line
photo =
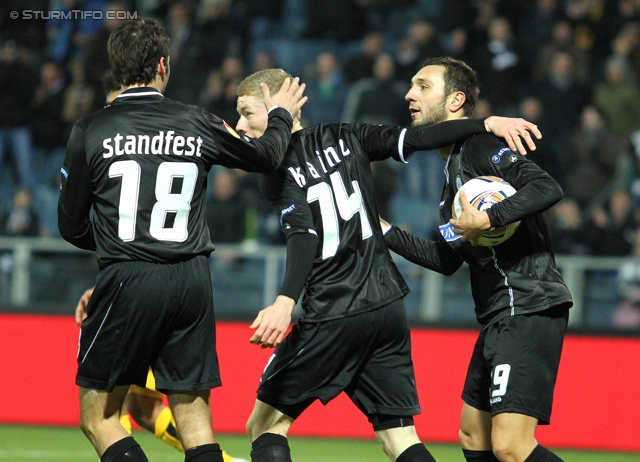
[(458, 182), (497, 157), (231, 130), (513, 158), (447, 232)]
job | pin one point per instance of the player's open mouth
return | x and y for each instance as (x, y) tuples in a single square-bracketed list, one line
[(414, 111)]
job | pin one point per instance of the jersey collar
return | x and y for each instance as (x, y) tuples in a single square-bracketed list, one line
[(138, 92)]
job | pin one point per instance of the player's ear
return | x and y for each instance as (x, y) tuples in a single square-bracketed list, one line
[(163, 67), (457, 100)]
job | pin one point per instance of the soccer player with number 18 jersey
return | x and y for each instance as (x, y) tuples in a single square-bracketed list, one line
[(141, 164)]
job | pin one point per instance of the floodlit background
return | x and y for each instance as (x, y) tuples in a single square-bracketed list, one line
[(570, 66)]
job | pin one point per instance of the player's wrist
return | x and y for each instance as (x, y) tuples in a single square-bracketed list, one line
[(490, 226), (276, 106)]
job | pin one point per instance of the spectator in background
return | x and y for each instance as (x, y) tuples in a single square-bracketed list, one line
[(591, 29), (226, 210), (419, 44), (327, 91), (612, 227), (219, 93), (563, 98), (21, 219), (264, 59), (78, 97), (95, 59), (547, 156), (483, 109), (334, 19), (219, 36), (626, 44), (257, 18), (188, 66), (619, 97), (627, 313), (562, 40), (566, 228), (628, 173), (378, 100), (536, 25), (72, 32), (389, 15), (48, 126), (360, 65), (500, 67), (457, 45), (17, 84), (591, 158)]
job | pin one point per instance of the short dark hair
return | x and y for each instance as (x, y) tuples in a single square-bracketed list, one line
[(458, 76), (135, 48)]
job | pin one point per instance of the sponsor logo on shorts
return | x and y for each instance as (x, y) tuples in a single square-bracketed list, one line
[(495, 400)]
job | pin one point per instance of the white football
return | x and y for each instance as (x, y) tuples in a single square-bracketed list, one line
[(483, 192)]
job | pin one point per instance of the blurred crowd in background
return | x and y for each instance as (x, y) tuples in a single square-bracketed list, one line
[(570, 66)]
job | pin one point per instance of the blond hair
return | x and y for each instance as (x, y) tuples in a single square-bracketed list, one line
[(274, 78)]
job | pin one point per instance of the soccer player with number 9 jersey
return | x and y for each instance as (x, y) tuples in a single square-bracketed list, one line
[(353, 335)]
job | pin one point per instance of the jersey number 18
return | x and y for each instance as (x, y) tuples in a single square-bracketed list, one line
[(167, 202)]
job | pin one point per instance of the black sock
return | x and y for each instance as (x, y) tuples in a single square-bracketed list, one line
[(479, 456), (270, 447), (205, 453), (416, 453), (542, 454), (125, 450)]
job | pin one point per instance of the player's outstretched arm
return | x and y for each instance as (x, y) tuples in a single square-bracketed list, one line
[(290, 96), (81, 308), (272, 323), (513, 130), (471, 224)]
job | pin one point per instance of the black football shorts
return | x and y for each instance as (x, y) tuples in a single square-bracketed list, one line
[(368, 356), (515, 364), (150, 314)]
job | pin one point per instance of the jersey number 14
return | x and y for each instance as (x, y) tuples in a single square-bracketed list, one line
[(347, 206)]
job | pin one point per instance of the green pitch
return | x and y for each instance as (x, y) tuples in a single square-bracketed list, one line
[(40, 444)]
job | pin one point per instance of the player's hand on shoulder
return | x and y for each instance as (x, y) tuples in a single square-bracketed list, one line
[(472, 223), (81, 308), (272, 323), (290, 96), (514, 131)]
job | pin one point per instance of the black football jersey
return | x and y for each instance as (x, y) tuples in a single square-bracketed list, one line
[(324, 186), (515, 277), (142, 164)]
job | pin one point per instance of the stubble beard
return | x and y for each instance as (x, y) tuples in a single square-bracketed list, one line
[(433, 115)]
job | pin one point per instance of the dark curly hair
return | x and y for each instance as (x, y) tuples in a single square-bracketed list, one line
[(135, 48)]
